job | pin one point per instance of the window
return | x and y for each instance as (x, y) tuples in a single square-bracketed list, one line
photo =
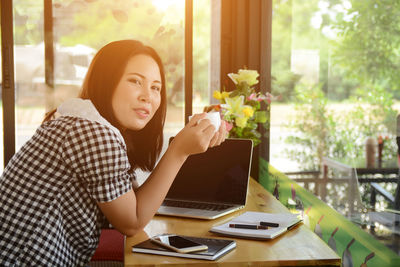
[(334, 65)]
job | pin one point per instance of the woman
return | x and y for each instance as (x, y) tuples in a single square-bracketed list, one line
[(78, 168)]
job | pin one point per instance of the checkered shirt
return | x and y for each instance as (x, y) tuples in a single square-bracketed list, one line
[(49, 191)]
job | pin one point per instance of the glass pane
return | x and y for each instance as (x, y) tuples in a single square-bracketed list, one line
[(328, 86), (29, 68), (81, 27), (201, 55), (334, 64)]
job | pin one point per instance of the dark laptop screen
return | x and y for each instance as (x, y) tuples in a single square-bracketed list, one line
[(218, 175)]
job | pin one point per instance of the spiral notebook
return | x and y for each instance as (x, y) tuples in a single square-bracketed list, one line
[(285, 222)]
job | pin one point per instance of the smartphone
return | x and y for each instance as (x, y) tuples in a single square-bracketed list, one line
[(178, 243)]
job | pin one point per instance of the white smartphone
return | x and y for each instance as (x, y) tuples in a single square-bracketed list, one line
[(178, 243)]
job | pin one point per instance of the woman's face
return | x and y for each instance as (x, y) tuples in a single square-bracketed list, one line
[(138, 94)]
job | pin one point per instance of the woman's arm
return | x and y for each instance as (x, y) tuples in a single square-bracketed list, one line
[(132, 211)]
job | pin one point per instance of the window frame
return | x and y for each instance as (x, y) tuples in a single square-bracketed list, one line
[(8, 84)]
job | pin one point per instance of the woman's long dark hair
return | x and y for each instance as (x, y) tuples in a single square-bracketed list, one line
[(104, 73)]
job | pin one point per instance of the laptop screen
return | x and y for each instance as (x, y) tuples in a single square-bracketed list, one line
[(218, 175)]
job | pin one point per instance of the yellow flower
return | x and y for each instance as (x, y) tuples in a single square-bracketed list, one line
[(218, 95), (248, 112), (234, 106), (225, 94), (241, 122), (248, 76)]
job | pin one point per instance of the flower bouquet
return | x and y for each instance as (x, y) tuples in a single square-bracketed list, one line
[(241, 108)]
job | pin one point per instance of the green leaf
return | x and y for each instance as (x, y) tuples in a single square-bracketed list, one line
[(260, 116)]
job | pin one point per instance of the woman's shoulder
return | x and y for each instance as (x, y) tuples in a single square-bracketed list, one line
[(77, 130), (94, 128), (85, 113), (87, 127)]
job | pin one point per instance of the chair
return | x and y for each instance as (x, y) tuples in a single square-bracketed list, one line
[(391, 216), (347, 201), (394, 201), (339, 188), (110, 252)]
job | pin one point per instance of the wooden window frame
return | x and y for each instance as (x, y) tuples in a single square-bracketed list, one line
[(8, 85), (246, 42)]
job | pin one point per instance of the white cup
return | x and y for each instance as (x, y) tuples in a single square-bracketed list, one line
[(215, 119)]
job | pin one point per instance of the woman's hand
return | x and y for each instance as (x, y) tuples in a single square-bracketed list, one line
[(220, 135), (197, 136)]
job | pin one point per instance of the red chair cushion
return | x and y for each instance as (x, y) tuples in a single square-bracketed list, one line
[(111, 246)]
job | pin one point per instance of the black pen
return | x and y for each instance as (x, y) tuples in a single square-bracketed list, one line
[(270, 224), (294, 224), (248, 226)]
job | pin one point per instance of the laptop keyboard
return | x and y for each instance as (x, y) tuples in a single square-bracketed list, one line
[(194, 205)]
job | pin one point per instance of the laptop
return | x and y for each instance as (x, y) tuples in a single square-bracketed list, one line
[(211, 184)]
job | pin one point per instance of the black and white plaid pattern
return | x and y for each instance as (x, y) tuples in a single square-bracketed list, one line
[(49, 190)]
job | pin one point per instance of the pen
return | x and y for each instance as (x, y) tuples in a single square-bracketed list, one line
[(270, 224), (293, 225), (248, 226)]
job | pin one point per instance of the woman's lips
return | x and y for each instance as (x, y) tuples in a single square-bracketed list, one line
[(142, 112)]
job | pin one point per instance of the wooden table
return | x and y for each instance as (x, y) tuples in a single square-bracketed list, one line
[(298, 247)]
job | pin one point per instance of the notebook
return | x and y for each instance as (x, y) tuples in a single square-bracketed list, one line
[(211, 184), (283, 223)]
